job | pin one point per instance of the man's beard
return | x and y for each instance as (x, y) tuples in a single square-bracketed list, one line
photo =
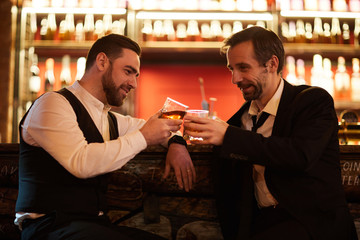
[(112, 94), (258, 90)]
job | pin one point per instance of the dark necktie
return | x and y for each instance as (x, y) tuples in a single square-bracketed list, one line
[(260, 122)]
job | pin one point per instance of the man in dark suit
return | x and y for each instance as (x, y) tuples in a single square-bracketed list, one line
[(278, 172)]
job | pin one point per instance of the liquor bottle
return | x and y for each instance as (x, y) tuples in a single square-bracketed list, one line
[(63, 30), (354, 5), (147, 30), (135, 4), (79, 32), (227, 5), (300, 69), (259, 23), (324, 5), (285, 32), (205, 32), (339, 5), (49, 75), (150, 4), (290, 66), (346, 34), (80, 68), (204, 5), (170, 5), (118, 26), (355, 80), (292, 32), (99, 29), (57, 3), (327, 33), (316, 71), (308, 32), (40, 3), (192, 31), (85, 3), (169, 30), (43, 28), (70, 26), (65, 74), (300, 32), (111, 4), (244, 5), (260, 5), (342, 81), (297, 5), (311, 5), (328, 77), (318, 33), (51, 27), (227, 30), (216, 31), (159, 33), (284, 4), (181, 32), (357, 32), (89, 27), (33, 23), (335, 31), (237, 26), (107, 21), (70, 3), (35, 80)]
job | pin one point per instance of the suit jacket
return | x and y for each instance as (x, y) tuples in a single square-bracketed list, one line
[(302, 167)]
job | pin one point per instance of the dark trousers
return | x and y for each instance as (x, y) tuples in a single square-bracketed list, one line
[(276, 223), (60, 227)]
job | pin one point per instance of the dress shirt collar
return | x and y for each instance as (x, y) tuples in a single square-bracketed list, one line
[(272, 106), (87, 97)]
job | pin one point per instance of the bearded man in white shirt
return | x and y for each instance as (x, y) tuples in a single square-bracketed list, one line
[(69, 141)]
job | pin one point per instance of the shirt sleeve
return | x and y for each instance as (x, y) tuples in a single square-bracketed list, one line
[(51, 124)]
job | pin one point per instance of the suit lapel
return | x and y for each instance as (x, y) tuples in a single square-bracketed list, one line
[(235, 120), (283, 109)]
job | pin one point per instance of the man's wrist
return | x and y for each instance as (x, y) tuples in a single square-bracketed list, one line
[(177, 139)]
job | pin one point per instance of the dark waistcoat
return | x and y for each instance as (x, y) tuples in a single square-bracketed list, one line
[(45, 186)]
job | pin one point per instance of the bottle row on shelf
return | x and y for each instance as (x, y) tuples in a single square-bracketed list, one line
[(89, 29), (224, 5), (40, 82), (166, 30), (319, 5), (84, 30), (340, 84), (335, 33), (76, 3)]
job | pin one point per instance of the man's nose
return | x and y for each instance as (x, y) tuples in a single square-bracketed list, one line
[(133, 82), (236, 77)]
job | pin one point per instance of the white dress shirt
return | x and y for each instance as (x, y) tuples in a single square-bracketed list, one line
[(51, 124), (262, 194)]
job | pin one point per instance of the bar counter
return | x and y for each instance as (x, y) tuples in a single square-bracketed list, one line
[(141, 177)]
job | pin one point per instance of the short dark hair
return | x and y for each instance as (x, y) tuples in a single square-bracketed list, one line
[(112, 45), (266, 43)]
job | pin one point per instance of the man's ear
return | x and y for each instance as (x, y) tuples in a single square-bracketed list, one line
[(273, 63), (101, 61)]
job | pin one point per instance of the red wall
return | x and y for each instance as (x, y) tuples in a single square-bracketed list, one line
[(181, 82)]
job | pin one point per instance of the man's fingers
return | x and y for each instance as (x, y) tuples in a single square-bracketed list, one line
[(166, 172), (179, 178)]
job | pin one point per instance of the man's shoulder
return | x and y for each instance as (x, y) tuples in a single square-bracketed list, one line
[(308, 92)]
